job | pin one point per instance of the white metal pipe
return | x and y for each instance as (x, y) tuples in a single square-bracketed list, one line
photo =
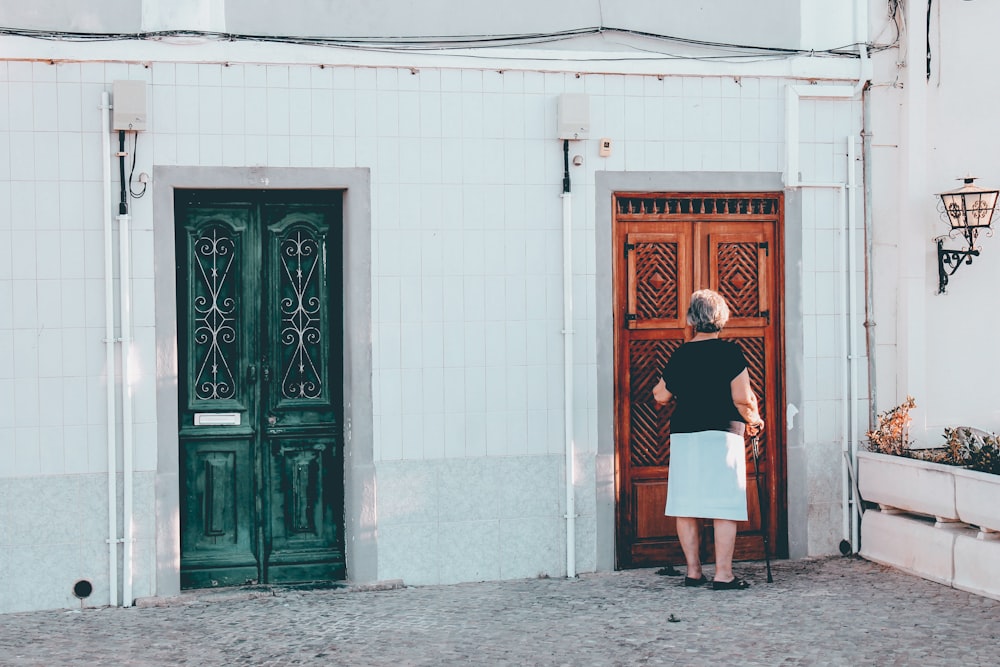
[(567, 219), (845, 392), (866, 149), (852, 327), (861, 36), (109, 353), (125, 301), (793, 93)]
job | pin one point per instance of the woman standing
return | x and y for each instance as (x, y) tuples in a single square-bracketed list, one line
[(715, 405)]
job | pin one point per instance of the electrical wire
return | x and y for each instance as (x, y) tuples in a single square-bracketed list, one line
[(135, 151), (465, 42)]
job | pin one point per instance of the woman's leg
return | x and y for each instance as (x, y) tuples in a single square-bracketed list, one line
[(689, 535), (725, 543)]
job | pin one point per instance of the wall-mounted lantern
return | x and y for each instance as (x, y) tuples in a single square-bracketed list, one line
[(968, 210)]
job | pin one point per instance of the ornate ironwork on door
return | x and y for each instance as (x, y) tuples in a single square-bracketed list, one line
[(301, 317), (215, 311)]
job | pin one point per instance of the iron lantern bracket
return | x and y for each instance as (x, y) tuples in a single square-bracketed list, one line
[(949, 260)]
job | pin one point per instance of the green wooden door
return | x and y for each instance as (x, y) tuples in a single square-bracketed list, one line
[(259, 337)]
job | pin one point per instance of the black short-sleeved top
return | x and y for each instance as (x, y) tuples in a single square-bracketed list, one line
[(698, 374)]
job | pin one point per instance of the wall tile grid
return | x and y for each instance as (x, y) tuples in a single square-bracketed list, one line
[(466, 188), (495, 227), (51, 287), (467, 246), (824, 130), (52, 351)]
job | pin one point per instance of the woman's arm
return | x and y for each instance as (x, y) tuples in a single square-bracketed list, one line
[(661, 394), (746, 402)]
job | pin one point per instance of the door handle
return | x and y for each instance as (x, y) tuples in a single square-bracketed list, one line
[(252, 373)]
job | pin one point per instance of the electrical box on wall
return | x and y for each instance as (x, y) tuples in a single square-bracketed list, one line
[(128, 106), (573, 114)]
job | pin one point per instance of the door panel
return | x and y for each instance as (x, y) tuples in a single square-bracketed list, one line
[(301, 397), (671, 245), (298, 319), (658, 292), (260, 428), (213, 313), (216, 523), (737, 269)]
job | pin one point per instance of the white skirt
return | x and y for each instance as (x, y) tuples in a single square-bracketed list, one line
[(707, 477)]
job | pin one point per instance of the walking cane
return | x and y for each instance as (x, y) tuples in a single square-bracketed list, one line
[(755, 444)]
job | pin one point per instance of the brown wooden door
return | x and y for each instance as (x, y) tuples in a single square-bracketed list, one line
[(668, 245)]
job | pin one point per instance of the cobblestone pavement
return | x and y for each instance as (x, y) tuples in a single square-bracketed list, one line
[(838, 611)]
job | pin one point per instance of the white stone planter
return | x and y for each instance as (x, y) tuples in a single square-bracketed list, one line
[(960, 547), (913, 486), (977, 498)]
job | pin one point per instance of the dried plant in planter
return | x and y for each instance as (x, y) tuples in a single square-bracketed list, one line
[(956, 442), (964, 446), (972, 448), (890, 436), (987, 457)]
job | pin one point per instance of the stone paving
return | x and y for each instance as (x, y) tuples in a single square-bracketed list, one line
[(836, 611)]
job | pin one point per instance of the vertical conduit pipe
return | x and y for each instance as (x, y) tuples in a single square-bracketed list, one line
[(843, 222), (109, 353), (125, 319), (852, 327), (861, 92), (567, 217), (124, 254), (567, 224), (866, 160)]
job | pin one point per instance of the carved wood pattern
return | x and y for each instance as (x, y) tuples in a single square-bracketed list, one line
[(753, 350), (656, 280), (738, 282), (650, 432)]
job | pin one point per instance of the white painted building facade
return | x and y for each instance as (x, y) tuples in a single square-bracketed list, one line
[(456, 416)]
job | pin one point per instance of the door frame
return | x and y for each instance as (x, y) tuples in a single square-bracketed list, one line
[(359, 470), (792, 379)]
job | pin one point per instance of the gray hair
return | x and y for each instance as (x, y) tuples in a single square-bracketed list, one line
[(708, 311)]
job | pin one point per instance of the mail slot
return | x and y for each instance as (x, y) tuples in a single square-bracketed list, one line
[(217, 419)]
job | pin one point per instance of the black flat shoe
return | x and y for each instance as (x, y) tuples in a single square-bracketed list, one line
[(692, 582), (736, 584)]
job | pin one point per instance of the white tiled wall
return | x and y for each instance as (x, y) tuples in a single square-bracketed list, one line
[(466, 242), (825, 127)]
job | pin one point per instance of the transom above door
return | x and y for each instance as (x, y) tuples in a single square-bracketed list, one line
[(260, 371)]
